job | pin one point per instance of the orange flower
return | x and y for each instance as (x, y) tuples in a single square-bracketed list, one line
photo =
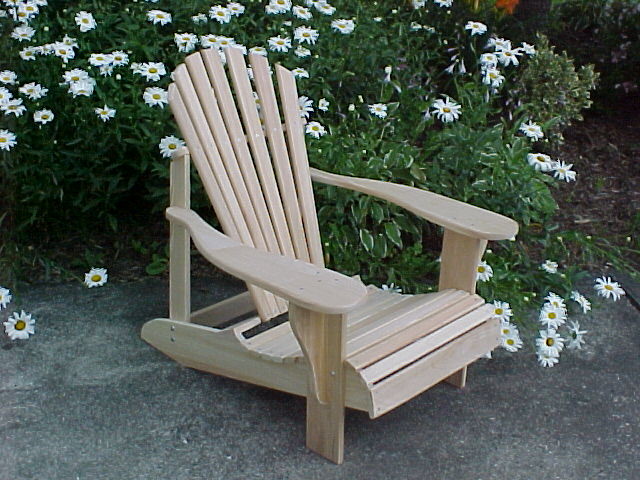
[(507, 5)]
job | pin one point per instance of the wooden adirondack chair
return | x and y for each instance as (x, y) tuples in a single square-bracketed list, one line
[(345, 344)]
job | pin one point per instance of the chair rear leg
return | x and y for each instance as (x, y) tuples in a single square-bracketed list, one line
[(458, 379)]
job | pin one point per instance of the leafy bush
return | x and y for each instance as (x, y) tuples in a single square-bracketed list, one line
[(412, 92)]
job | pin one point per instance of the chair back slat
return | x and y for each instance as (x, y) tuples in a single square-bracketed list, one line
[(259, 227), (279, 154), (203, 158), (300, 162), (257, 179)]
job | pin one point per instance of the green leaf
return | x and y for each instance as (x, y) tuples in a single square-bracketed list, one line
[(393, 233), (367, 239)]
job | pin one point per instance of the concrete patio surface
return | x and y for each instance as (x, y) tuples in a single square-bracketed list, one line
[(86, 399)]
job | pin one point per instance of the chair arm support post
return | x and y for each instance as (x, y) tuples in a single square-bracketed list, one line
[(459, 261), (179, 239), (322, 338)]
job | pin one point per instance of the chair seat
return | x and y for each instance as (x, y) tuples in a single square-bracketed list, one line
[(399, 345)]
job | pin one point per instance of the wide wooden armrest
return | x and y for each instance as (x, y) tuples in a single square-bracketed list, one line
[(302, 283), (452, 214)]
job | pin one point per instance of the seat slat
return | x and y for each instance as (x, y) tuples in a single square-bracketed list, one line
[(376, 301), (384, 325), (409, 329), (425, 345), (199, 121), (299, 161), (279, 154), (202, 163)]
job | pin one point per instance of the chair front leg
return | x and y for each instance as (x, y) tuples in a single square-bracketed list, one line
[(322, 339), (459, 261)]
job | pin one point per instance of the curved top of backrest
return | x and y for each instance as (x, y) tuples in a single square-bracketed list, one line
[(257, 178)]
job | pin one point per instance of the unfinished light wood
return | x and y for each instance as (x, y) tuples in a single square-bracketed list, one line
[(322, 338), (344, 345), (179, 240), (446, 212)]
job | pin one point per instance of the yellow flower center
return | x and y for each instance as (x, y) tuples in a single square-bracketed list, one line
[(481, 269), (153, 70), (96, 278), (499, 311), (156, 96), (45, 116), (552, 315), (172, 146), (549, 342), (510, 341), (506, 331), (20, 325), (63, 52), (608, 287), (446, 109), (85, 20), (3, 140)]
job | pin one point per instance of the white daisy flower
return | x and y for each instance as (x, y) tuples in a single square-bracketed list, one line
[(576, 336), (540, 161), (271, 9), (259, 51), (33, 90), (418, 3), (325, 8), (484, 272), (608, 288), (5, 293), (27, 11), (499, 44), (507, 328), (378, 109), (305, 34), (152, 71), (119, 58), (556, 300), (69, 41), (446, 110), (220, 14), (43, 116), (305, 104), (547, 360), (301, 12), (75, 75), (323, 104), (158, 16), (549, 266), (13, 106), (19, 326), (476, 28), (532, 130), (443, 3), (105, 113), (528, 49), (562, 171), (65, 52), (185, 41), (8, 77), (280, 6), (7, 140), (170, 144), (96, 277), (492, 77), (550, 342), (299, 72), (502, 310), (85, 21), (509, 57), (315, 129), (23, 32), (155, 96), (552, 317), (100, 59), (28, 53), (488, 60), (392, 287), (511, 343), (5, 95), (82, 87), (279, 44), (236, 9), (581, 300), (302, 52), (343, 26), (199, 18)]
